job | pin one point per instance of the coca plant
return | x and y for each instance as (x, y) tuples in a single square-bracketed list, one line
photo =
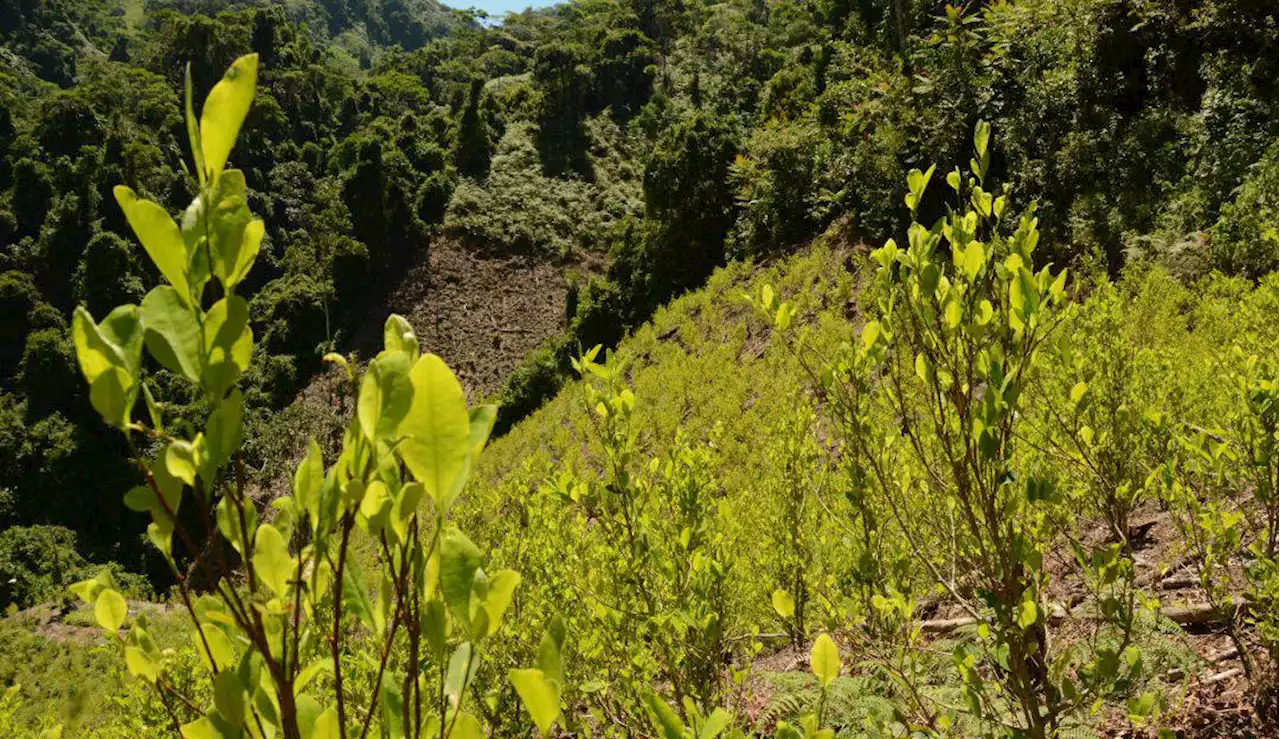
[(1220, 488), (287, 614), (927, 408)]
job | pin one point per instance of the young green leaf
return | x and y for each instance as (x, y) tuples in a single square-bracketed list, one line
[(271, 560), (438, 428), (824, 660), (398, 336), (110, 610), (540, 696), (224, 111)]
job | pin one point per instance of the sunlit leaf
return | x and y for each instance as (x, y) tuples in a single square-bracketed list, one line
[(271, 561), (110, 610), (160, 237), (539, 695), (224, 111), (438, 428), (172, 332), (824, 660)]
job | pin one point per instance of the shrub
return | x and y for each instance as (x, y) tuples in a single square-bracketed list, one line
[(37, 563), (1243, 240), (298, 603)]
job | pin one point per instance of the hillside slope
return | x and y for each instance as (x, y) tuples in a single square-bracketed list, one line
[(717, 390)]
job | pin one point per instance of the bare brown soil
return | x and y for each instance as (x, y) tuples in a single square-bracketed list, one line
[(481, 311)]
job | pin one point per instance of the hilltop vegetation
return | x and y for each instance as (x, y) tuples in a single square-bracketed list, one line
[(982, 476)]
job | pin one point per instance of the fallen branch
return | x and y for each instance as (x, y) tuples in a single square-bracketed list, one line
[(1224, 675), (1178, 673), (946, 625), (1193, 615)]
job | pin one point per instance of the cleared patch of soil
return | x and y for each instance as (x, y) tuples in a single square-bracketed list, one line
[(481, 311)]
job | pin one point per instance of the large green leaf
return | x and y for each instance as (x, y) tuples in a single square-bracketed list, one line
[(462, 668), (308, 480), (327, 726), (233, 236), (716, 723), (224, 111), (550, 660), (271, 561), (540, 696), (93, 352), (109, 356), (386, 395), (438, 430), (140, 665), (309, 714), (201, 728), (668, 722), (466, 726), (250, 246), (110, 610), (228, 343), (824, 660), (459, 561), (172, 332), (225, 429), (229, 697), (122, 328), (784, 604), (160, 237), (502, 588), (435, 625), (482, 420), (391, 703), (110, 397), (224, 655)]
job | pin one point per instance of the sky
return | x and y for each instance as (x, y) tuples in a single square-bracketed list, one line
[(499, 8)]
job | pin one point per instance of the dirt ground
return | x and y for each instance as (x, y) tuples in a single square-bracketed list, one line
[(481, 311)]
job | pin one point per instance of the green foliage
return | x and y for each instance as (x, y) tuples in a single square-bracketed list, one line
[(1243, 240), (37, 563), (412, 442), (519, 208)]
